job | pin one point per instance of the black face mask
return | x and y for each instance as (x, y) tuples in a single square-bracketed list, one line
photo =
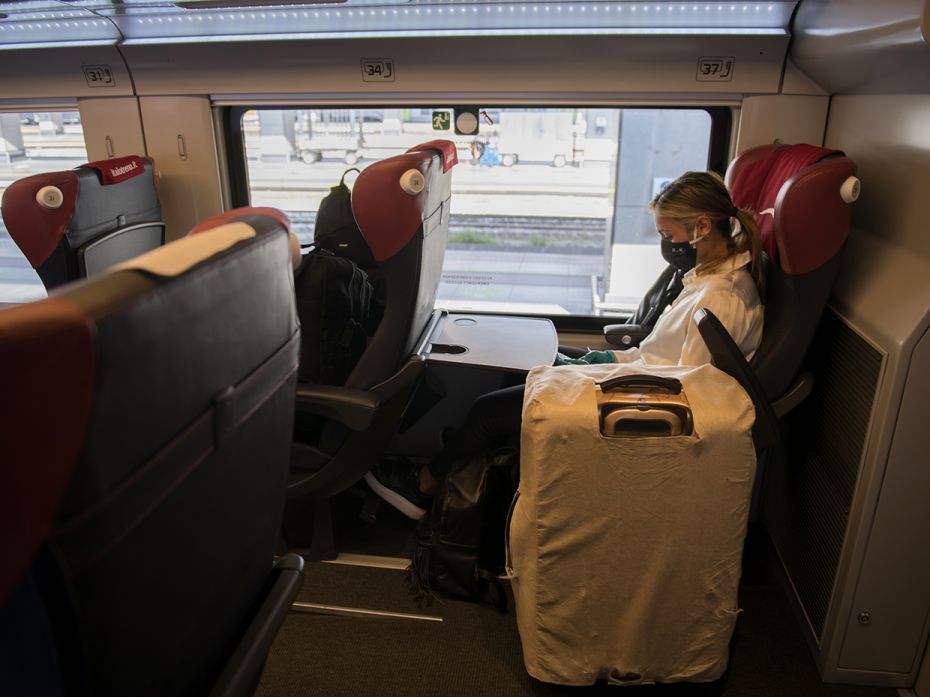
[(681, 255)]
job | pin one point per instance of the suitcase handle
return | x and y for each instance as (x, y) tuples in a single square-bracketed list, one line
[(640, 422), (642, 382)]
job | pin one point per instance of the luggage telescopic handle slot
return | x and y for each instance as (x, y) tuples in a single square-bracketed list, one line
[(642, 382), (638, 421)]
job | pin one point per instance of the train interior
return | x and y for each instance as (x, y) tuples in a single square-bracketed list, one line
[(531, 134)]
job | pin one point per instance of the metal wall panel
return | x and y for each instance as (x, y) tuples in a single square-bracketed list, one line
[(180, 135), (79, 71), (464, 68), (112, 127), (887, 623), (809, 489), (883, 295), (863, 46), (787, 118)]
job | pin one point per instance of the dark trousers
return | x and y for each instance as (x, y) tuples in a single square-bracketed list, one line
[(494, 418)]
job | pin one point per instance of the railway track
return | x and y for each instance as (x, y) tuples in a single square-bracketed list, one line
[(490, 229)]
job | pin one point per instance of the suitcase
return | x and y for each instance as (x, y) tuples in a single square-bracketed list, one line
[(625, 537)]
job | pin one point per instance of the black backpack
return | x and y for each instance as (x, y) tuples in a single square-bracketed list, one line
[(460, 542), (334, 307), (336, 229)]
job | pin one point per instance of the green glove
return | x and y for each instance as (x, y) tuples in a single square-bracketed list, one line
[(590, 358)]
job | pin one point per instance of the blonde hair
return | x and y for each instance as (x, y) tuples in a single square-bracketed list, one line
[(695, 194)]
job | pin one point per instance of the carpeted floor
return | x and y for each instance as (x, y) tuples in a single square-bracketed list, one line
[(476, 650)]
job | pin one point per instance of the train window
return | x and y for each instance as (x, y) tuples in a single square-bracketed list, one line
[(549, 206), (31, 143)]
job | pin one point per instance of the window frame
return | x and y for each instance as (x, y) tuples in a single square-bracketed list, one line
[(718, 151)]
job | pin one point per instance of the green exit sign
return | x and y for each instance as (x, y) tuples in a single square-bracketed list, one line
[(441, 120)]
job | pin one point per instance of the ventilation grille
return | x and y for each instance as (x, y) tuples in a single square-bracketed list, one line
[(809, 485)]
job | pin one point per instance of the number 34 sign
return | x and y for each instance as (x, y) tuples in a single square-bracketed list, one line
[(377, 70)]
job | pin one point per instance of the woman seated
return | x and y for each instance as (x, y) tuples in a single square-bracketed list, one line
[(701, 230)]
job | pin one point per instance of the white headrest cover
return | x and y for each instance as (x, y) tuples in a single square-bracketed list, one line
[(177, 257)]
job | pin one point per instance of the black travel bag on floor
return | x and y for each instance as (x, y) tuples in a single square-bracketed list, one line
[(460, 542)]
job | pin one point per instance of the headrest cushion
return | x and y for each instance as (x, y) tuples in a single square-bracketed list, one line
[(37, 229), (244, 211), (177, 257), (762, 177), (388, 211), (446, 149)]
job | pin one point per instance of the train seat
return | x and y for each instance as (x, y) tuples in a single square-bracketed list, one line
[(76, 223), (401, 205), (755, 179), (147, 525), (803, 194)]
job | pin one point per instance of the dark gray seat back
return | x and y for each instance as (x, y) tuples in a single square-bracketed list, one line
[(165, 537)]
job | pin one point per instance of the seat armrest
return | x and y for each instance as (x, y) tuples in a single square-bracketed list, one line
[(349, 406), (626, 335), (799, 391), (240, 676)]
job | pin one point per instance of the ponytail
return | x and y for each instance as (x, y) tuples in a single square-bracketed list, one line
[(746, 237)]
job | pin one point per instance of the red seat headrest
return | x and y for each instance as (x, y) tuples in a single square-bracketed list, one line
[(37, 228), (795, 192), (390, 197)]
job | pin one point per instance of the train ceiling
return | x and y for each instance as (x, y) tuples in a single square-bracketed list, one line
[(33, 23)]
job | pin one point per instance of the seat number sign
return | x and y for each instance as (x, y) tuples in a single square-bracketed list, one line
[(715, 68), (378, 69), (98, 76)]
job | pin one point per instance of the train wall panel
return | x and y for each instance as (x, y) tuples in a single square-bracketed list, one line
[(72, 71), (179, 132), (863, 46), (112, 127), (875, 624), (465, 67), (786, 118), (809, 486), (888, 137), (886, 626)]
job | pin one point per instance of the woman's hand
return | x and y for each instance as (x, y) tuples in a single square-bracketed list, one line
[(590, 358)]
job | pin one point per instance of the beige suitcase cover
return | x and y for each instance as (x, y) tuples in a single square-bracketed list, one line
[(624, 553)]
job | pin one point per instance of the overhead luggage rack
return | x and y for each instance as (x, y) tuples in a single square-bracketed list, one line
[(189, 20)]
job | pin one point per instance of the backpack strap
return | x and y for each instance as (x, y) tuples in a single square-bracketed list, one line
[(342, 180)]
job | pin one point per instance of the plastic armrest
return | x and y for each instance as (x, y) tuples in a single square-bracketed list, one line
[(626, 335), (797, 393), (349, 406), (243, 669)]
